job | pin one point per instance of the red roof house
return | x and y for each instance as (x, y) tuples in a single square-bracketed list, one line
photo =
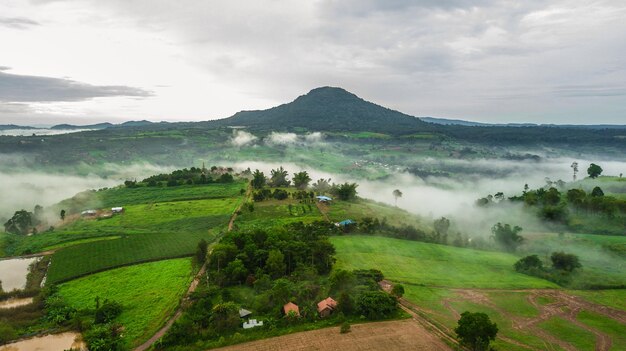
[(326, 306), (291, 307)]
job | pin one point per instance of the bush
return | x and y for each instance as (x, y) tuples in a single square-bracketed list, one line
[(345, 328), (376, 305), (565, 262), (527, 263), (108, 312)]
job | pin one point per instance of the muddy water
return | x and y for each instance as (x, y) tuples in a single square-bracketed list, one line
[(57, 342), (16, 302), (13, 273)]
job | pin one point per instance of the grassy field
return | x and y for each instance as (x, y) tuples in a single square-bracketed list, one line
[(614, 329), (356, 210), (163, 217), (149, 293), (432, 265), (581, 339), (271, 213), (122, 196), (83, 259)]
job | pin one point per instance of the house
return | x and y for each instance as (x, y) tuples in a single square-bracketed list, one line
[(88, 213), (252, 323), (243, 313), (291, 307), (324, 199), (117, 209), (326, 307), (345, 223)]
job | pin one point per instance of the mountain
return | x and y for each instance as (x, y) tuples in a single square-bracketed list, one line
[(328, 109), (88, 126), (13, 126), (460, 122)]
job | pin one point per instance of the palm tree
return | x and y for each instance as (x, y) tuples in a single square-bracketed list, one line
[(397, 193)]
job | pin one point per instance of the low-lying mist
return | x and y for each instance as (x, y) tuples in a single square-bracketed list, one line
[(22, 188), (455, 198)]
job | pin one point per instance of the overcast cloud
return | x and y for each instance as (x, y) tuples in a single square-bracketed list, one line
[(561, 61)]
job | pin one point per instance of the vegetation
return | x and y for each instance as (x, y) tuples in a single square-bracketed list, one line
[(476, 330), (146, 295)]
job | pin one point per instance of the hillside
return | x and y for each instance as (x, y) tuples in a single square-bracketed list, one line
[(329, 109)]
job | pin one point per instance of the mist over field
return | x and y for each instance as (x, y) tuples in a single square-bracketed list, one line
[(21, 188), (455, 198)]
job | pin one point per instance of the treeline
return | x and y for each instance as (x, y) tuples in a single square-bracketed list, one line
[(279, 178), (186, 176)]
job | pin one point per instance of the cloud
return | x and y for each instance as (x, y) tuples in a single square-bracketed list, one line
[(25, 88), (17, 22), (314, 137), (276, 138), (242, 138)]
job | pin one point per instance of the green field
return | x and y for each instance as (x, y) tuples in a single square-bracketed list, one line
[(149, 293), (122, 196), (271, 213), (83, 259), (163, 217), (360, 208), (426, 264), (581, 339)]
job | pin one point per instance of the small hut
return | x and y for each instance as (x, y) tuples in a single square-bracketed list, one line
[(291, 307), (326, 307)]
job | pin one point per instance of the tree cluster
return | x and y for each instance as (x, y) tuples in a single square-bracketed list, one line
[(563, 264)]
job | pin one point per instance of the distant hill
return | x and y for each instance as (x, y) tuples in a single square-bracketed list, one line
[(88, 126), (14, 126), (328, 109), (460, 122)]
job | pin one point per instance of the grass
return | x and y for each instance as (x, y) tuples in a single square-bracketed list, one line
[(356, 210), (612, 298), (164, 217), (79, 241), (426, 264), (149, 293), (79, 260), (514, 303), (122, 196), (272, 213), (566, 331), (614, 329)]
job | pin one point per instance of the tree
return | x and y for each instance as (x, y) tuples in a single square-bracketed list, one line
[(565, 262), (528, 263), (396, 194), (507, 236), (225, 316), (107, 312), (278, 177), (345, 191), (62, 215), (574, 169), (397, 290), (275, 265), (442, 225), (20, 223), (594, 170), (201, 251), (376, 305), (597, 192), (301, 180), (322, 185), (258, 179), (476, 331)]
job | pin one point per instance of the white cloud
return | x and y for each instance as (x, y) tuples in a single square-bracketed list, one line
[(483, 60), (242, 138), (276, 138)]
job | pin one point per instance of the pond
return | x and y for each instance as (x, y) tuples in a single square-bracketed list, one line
[(52, 342), (13, 272)]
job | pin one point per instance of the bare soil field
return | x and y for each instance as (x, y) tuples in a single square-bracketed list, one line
[(391, 335)]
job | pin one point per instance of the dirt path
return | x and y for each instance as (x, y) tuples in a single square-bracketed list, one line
[(390, 336), (192, 287), (323, 210)]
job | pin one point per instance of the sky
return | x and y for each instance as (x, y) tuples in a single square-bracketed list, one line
[(87, 61)]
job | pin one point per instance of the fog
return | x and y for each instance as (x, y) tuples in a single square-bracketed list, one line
[(23, 189), (454, 198), (39, 132), (276, 138), (241, 138)]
